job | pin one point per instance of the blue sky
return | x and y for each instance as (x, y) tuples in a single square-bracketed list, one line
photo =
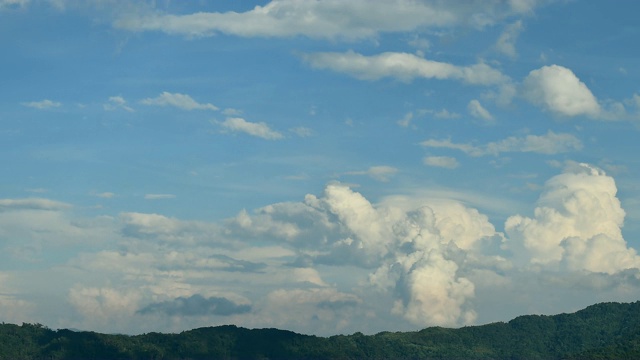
[(320, 166)]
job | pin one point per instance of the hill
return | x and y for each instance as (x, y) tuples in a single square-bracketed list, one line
[(606, 330)]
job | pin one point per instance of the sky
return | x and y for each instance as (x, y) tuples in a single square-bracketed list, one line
[(324, 167)]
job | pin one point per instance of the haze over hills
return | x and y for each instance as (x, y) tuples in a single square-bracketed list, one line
[(605, 330)]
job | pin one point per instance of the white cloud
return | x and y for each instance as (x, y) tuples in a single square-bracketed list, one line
[(446, 162), (182, 101), (44, 104), (403, 66), (550, 143), (259, 129), (559, 90), (159, 196), (477, 110), (577, 223), (381, 173), (402, 247), (507, 40), (117, 102), (435, 294), (331, 19)]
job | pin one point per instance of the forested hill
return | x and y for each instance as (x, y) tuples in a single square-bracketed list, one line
[(607, 330)]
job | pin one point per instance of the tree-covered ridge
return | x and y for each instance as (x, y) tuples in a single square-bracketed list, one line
[(607, 330)]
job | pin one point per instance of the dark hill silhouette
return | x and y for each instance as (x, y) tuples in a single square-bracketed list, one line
[(606, 330)]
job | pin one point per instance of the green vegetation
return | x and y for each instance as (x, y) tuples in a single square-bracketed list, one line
[(602, 331)]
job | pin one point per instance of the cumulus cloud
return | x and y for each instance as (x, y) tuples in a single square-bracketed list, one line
[(433, 294), (116, 103), (259, 129), (558, 89), (446, 162), (381, 173), (182, 101), (415, 254), (369, 235), (196, 305), (325, 263), (478, 111), (550, 143), (577, 224), (424, 270), (44, 104), (403, 66), (328, 19)]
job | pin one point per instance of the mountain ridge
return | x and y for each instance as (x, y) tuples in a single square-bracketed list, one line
[(603, 330)]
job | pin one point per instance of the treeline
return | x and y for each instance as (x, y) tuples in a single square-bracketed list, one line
[(602, 331)]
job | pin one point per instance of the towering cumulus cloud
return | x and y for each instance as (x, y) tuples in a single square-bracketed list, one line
[(430, 257), (416, 255), (577, 224)]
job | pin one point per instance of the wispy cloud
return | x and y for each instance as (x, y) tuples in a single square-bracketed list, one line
[(402, 66), (506, 43), (159, 196), (478, 111), (381, 173), (32, 204), (258, 129), (44, 104), (446, 162), (182, 101), (355, 19), (302, 131), (550, 143), (406, 119), (117, 103)]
